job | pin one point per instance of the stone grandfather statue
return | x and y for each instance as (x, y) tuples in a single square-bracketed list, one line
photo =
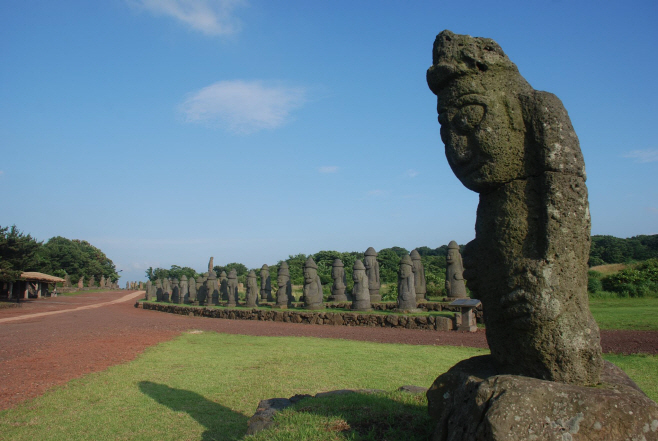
[(184, 289), (360, 291), (406, 286), (265, 284), (516, 147), (191, 286), (251, 295), (147, 293), (159, 293), (312, 286), (232, 285), (372, 270), (223, 286), (284, 293), (175, 291), (420, 284), (455, 286), (211, 289), (339, 285)]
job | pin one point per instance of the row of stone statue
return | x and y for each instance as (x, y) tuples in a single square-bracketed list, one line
[(103, 283), (209, 290)]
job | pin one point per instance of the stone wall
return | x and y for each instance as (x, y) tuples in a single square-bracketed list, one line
[(311, 317)]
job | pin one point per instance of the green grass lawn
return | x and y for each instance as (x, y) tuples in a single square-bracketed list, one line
[(205, 386), (625, 313)]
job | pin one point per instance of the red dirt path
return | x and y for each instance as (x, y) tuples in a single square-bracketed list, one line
[(37, 353)]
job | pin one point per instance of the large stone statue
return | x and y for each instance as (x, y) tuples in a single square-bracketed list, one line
[(147, 294), (419, 276), (232, 288), (372, 270), (455, 286), (360, 292), (339, 285), (528, 262), (166, 290), (191, 286), (312, 286), (284, 293), (406, 286), (265, 284), (251, 295), (516, 147)]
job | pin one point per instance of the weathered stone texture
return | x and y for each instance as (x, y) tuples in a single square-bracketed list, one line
[(340, 282), (284, 293), (472, 402), (265, 284), (251, 296), (455, 285), (406, 285), (516, 147), (232, 286), (420, 284)]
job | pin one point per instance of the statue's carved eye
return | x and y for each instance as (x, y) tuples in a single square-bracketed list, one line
[(468, 117)]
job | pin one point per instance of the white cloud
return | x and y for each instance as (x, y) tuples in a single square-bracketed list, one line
[(243, 106), (412, 173), (642, 156), (328, 169), (212, 17)]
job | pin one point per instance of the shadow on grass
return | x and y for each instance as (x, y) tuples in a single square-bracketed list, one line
[(221, 423), (391, 417)]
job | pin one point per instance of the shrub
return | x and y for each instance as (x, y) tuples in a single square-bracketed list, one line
[(594, 283), (640, 280)]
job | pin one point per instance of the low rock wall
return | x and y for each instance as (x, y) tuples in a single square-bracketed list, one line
[(311, 317)]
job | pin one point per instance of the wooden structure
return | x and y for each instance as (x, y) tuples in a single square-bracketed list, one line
[(37, 281)]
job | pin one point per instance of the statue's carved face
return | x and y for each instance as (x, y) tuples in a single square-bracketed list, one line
[(484, 139), (405, 270), (452, 256), (281, 280), (310, 274)]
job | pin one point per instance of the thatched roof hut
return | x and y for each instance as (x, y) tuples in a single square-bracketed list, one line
[(34, 276)]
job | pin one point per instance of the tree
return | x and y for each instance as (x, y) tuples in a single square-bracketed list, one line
[(18, 253), (77, 258)]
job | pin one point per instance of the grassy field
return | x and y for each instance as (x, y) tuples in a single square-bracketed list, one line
[(608, 269), (625, 313), (205, 386)]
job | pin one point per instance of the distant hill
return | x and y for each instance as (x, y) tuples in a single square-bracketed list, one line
[(610, 249)]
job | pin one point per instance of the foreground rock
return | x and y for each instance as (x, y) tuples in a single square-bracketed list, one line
[(471, 402)]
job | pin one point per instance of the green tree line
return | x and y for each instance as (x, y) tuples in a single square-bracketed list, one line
[(59, 256), (610, 249)]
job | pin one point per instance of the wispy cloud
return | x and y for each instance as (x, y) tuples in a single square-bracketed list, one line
[(212, 17), (243, 106), (412, 173), (328, 169), (642, 156)]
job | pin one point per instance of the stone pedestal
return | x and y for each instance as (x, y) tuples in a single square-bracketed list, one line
[(472, 402), (467, 319)]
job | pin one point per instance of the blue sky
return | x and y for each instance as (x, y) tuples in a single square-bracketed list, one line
[(168, 131)]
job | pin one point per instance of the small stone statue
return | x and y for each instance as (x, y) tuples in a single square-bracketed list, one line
[(92, 282), (212, 289), (81, 282), (265, 284), (147, 294), (372, 270), (232, 288), (210, 265), (191, 286), (406, 286), (339, 286), (312, 286), (419, 276), (251, 296), (166, 290), (67, 281), (101, 284), (360, 292), (455, 286), (159, 293), (175, 292), (284, 293), (223, 286), (184, 289), (517, 148)]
